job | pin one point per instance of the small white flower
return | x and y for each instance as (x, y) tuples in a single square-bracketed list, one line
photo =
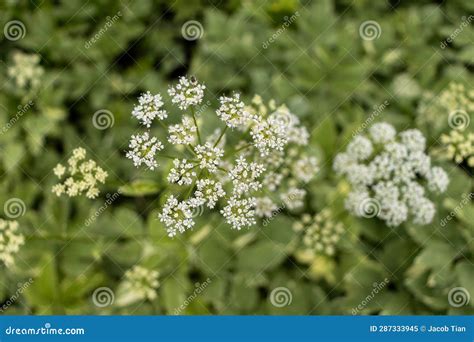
[(272, 180), (183, 133), (413, 139), (245, 176), (264, 207), (208, 156), (293, 198), (360, 148), (182, 173), (142, 282), (423, 211), (305, 168), (10, 241), (239, 213), (148, 108), (143, 149), (382, 133), (210, 191), (438, 180), (268, 135), (188, 92), (59, 170), (177, 216), (232, 111)]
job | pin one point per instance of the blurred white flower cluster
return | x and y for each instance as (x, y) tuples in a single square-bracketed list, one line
[(458, 146), (142, 282), (321, 232), (244, 168), (389, 174), (25, 72), (10, 241), (81, 176)]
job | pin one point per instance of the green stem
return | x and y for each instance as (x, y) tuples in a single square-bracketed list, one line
[(195, 124), (220, 137)]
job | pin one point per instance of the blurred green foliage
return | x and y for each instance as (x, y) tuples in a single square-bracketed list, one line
[(318, 65)]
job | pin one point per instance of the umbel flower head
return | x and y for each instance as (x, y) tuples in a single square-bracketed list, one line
[(246, 169), (80, 176), (10, 241), (458, 146), (143, 282), (321, 233), (390, 176), (25, 72), (454, 105)]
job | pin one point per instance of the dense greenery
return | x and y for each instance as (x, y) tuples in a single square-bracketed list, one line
[(318, 65)]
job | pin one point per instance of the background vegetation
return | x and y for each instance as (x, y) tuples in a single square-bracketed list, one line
[(319, 65)]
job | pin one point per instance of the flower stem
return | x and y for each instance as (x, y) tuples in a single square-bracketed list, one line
[(197, 127), (220, 137)]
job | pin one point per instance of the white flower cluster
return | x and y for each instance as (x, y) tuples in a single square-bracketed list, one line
[(321, 233), (148, 108), (458, 146), (10, 241), (82, 176), (232, 170), (143, 282), (26, 72), (388, 174)]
